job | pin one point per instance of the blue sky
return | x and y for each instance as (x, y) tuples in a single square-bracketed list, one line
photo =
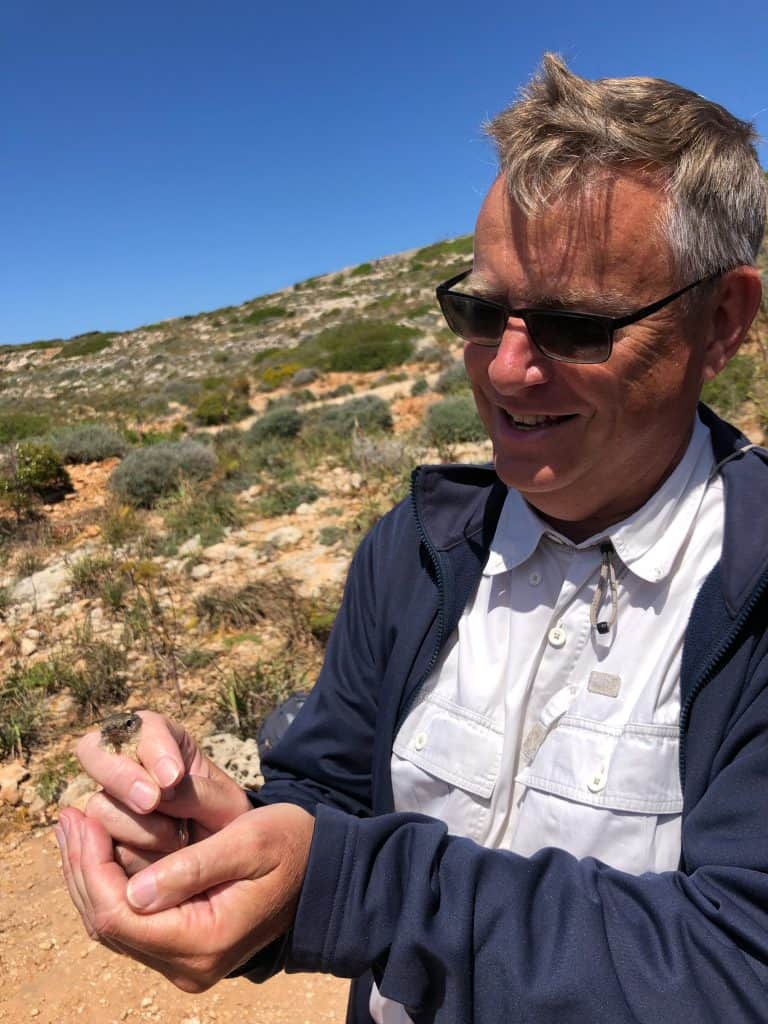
[(164, 158)]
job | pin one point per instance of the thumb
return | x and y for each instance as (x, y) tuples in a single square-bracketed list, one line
[(241, 850), (211, 802)]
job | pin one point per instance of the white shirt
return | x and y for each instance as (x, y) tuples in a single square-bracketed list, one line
[(536, 730)]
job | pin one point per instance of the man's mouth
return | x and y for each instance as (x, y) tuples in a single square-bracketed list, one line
[(535, 422)]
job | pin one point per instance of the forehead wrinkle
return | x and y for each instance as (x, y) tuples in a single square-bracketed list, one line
[(607, 300)]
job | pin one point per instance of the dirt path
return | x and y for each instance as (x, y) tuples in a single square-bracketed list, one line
[(52, 973)]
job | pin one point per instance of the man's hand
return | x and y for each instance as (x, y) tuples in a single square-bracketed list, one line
[(198, 913), (171, 796)]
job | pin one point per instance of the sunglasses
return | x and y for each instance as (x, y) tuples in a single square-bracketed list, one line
[(556, 333)]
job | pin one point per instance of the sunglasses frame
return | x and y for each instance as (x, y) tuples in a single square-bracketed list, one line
[(607, 323)]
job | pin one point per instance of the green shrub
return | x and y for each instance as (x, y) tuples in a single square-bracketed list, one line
[(201, 510), (247, 696), (220, 406), (330, 535), (454, 420), (89, 573), (22, 704), (260, 316), (731, 388), (32, 470), (453, 379), (280, 422), (457, 247), (55, 773), (368, 413), (88, 442), (419, 386), (146, 474), (101, 682), (16, 426), (362, 270), (286, 498), (361, 346), (86, 344), (341, 391), (273, 376)]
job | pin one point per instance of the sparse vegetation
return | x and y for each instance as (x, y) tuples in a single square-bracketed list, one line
[(369, 413), (282, 422), (88, 442), (85, 344), (454, 420), (31, 471), (286, 498), (147, 474)]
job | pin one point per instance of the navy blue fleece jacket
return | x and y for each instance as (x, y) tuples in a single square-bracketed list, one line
[(459, 933)]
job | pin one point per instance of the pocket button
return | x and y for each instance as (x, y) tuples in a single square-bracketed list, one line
[(557, 636), (419, 741), (597, 780)]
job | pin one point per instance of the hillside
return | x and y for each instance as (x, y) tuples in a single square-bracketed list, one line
[(178, 507)]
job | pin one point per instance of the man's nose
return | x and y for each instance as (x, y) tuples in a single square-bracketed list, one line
[(517, 364)]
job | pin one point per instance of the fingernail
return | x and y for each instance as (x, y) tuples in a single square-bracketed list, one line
[(166, 771), (143, 795), (142, 890)]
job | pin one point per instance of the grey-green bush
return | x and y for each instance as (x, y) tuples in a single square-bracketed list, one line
[(453, 379), (369, 413), (454, 420), (282, 422), (146, 474), (88, 442)]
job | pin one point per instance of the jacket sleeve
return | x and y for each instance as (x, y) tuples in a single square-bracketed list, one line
[(457, 932)]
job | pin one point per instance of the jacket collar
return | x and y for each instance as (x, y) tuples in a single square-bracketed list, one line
[(478, 495)]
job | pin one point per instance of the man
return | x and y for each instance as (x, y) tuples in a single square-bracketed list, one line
[(562, 665)]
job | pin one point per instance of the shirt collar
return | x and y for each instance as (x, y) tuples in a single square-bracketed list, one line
[(647, 542)]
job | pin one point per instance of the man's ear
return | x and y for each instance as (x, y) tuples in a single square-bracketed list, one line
[(732, 309)]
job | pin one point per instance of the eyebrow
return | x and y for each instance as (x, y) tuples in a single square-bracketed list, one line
[(608, 302)]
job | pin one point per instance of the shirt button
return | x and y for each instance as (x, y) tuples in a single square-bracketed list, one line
[(419, 741), (557, 636), (597, 779), (534, 579)]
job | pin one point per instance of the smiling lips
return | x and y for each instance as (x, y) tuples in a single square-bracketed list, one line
[(533, 422)]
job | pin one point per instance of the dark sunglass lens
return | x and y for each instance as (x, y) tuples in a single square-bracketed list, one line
[(473, 319), (572, 339)]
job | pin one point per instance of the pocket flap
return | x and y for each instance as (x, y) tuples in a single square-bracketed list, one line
[(455, 744), (634, 768)]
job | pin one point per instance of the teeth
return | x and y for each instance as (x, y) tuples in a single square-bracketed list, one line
[(532, 421)]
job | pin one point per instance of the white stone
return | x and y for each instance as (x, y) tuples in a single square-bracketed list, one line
[(284, 536), (11, 777), (27, 646), (190, 547), (221, 553), (199, 572), (43, 589), (304, 509)]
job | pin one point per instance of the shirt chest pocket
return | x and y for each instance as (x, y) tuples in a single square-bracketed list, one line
[(604, 791), (445, 763)]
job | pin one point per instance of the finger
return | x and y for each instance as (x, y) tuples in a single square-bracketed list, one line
[(68, 836), (211, 802), (238, 851), (121, 776), (132, 860), (154, 832)]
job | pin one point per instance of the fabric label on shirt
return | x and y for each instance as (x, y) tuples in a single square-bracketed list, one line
[(604, 684)]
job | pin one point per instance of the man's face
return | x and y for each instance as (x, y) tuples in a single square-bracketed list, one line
[(627, 421)]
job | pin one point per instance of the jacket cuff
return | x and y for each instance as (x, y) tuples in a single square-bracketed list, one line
[(313, 941)]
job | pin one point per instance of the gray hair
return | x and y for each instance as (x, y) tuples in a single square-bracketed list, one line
[(564, 129)]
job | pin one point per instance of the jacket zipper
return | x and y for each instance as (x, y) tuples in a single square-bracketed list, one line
[(435, 559), (712, 667)]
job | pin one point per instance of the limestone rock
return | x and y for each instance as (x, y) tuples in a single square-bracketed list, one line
[(11, 777), (78, 792), (190, 547), (284, 536), (238, 758), (199, 572), (44, 588)]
